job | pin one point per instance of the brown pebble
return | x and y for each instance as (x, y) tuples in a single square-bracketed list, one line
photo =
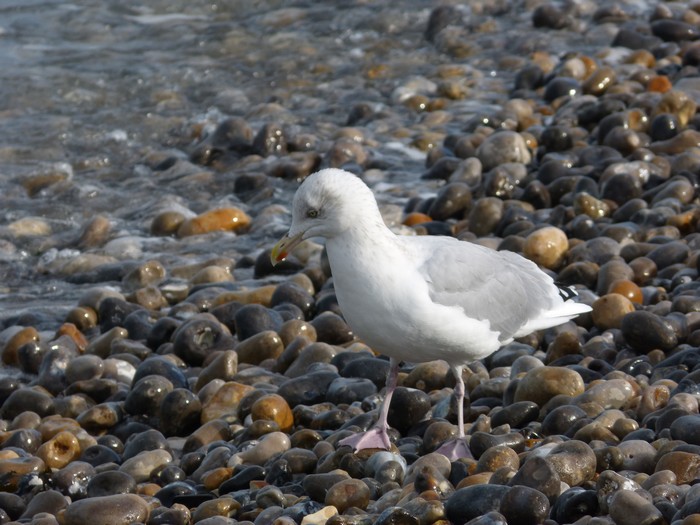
[(273, 407), (261, 295), (348, 493), (220, 219), (224, 403), (59, 450), (685, 465), (83, 317), (609, 310), (415, 218), (546, 247), (261, 346), (541, 384), (498, 457), (167, 223), (72, 331), (627, 289), (28, 334)]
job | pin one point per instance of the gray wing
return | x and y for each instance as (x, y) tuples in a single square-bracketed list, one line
[(501, 287)]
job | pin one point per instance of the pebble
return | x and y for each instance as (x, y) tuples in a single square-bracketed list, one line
[(119, 509), (539, 385), (546, 247)]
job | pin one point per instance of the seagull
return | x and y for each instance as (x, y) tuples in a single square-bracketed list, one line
[(419, 298)]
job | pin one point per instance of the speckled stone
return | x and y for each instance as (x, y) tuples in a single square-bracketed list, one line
[(348, 493)]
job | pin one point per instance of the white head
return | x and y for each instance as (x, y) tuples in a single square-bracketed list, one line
[(327, 203)]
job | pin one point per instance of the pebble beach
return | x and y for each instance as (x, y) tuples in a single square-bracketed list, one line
[(158, 370)]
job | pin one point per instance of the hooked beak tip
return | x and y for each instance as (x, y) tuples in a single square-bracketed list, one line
[(284, 246)]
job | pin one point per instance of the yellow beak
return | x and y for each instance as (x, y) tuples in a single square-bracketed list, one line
[(281, 250)]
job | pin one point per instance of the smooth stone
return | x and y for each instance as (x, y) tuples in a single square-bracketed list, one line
[(539, 474), (610, 309), (408, 407), (573, 504), (269, 445), (84, 367), (503, 147), (146, 395), (332, 329), (60, 450), (574, 462), (629, 508), (101, 417), (539, 385), (273, 407), (614, 393), (316, 486), (50, 502), (451, 201), (472, 502), (224, 404), (309, 356), (223, 366), (109, 483), (27, 399), (638, 456), (218, 219), (546, 247), (524, 505), (685, 465), (348, 493), (609, 483), (196, 338), (252, 319), (497, 457), (161, 366), (347, 390), (687, 428), (141, 466), (645, 331), (308, 389), (179, 413), (119, 509), (147, 440), (98, 455), (259, 347)]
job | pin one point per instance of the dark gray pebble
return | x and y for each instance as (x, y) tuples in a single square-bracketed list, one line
[(350, 389), (645, 331), (196, 338), (539, 474), (111, 482), (471, 502), (308, 389), (179, 413)]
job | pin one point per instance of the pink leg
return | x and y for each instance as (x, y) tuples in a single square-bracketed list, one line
[(458, 447), (377, 436)]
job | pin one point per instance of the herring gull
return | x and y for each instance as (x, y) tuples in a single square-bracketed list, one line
[(419, 298)]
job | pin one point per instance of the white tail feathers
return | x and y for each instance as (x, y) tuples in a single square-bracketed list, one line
[(556, 316)]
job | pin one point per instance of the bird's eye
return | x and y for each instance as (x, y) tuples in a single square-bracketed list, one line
[(312, 213)]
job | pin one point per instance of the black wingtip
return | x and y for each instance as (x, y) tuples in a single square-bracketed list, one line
[(566, 292)]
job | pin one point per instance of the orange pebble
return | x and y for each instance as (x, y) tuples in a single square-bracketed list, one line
[(659, 84), (220, 219), (416, 218), (627, 289), (273, 407), (72, 331)]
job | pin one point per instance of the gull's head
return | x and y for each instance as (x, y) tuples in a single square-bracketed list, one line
[(326, 204)]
